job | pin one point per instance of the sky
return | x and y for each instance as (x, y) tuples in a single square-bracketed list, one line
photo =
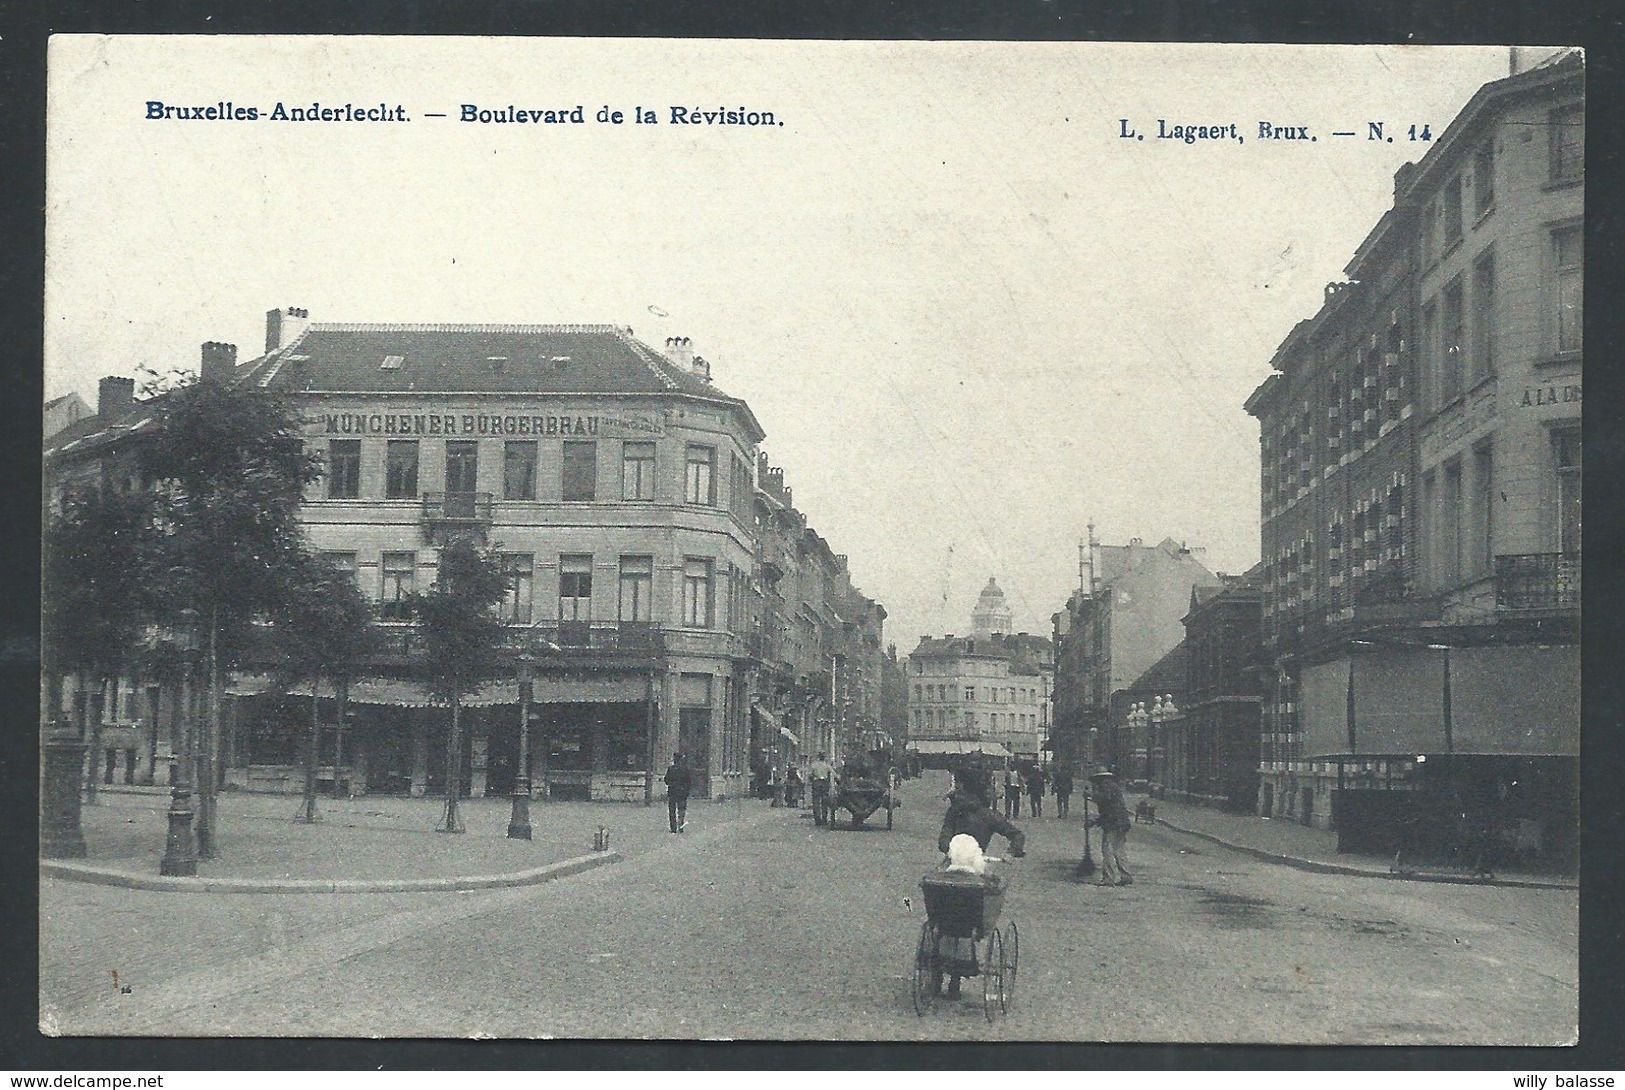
[(971, 315)]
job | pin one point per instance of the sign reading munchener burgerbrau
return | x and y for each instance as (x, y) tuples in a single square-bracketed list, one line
[(418, 422)]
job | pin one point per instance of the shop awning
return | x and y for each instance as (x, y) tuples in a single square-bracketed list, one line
[(966, 745)]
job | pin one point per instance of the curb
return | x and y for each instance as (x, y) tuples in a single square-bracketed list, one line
[(1368, 872), (80, 872)]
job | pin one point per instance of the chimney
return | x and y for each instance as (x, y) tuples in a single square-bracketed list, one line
[(115, 396), (1403, 177), (219, 361), (680, 350), (282, 327), (702, 369)]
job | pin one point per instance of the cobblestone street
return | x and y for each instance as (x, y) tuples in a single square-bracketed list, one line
[(766, 927)]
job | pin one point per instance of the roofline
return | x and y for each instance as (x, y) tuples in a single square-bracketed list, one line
[(1567, 66)]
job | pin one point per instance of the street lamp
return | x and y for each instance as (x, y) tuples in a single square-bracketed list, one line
[(1163, 712), (519, 819), (180, 850), (1138, 720)]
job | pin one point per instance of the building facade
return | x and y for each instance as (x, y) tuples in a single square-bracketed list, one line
[(1213, 743), (1124, 617), (618, 487), (989, 691), (1420, 489)]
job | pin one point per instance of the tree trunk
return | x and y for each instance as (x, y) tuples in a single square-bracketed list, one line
[(343, 700), (312, 750), (454, 766), (206, 815)]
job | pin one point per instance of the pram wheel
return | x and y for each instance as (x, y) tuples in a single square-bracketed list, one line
[(925, 977), (1012, 951), (993, 969)]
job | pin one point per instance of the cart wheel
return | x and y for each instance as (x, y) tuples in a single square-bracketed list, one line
[(1012, 953), (993, 975), (922, 970)]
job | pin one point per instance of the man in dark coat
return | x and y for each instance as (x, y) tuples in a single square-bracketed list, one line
[(968, 812), (1114, 825), (679, 782), (1035, 790), (1062, 783)]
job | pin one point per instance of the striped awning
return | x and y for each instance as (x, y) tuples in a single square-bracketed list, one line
[(959, 745)]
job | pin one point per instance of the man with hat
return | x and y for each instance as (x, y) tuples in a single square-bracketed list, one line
[(1114, 824), (969, 813)]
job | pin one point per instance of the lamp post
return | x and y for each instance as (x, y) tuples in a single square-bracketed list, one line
[(1164, 712), (1138, 724), (1087, 866), (519, 819), (180, 850)]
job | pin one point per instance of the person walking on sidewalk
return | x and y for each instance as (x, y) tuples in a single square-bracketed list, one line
[(1062, 783), (1012, 793), (1114, 824), (679, 782), (822, 775), (1035, 790)]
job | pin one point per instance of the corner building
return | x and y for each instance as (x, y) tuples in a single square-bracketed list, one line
[(617, 484)]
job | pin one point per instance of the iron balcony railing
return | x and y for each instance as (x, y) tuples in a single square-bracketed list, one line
[(639, 636), (469, 507), (1537, 581)]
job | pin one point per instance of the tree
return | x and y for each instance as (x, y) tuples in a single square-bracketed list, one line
[(232, 469), (323, 631), (94, 602), (461, 630)]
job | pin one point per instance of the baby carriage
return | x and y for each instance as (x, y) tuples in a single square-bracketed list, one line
[(961, 938)]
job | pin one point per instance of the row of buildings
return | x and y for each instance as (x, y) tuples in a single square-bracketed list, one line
[(1405, 656), (669, 592)]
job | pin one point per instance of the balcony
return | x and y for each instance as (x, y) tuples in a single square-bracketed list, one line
[(448, 513), (596, 637), (1537, 581)]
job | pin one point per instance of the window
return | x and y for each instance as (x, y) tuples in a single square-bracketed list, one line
[(637, 471), (697, 592), (1568, 143), (1566, 448), (637, 588), (970, 692), (521, 570), (344, 562), (1484, 177), (1430, 216), (1452, 212), (401, 470), (919, 693), (1568, 246), (400, 580), (462, 466), (575, 587), (699, 483), (580, 476), (1481, 548), (1430, 351), (1451, 342), (343, 469), (1483, 359), (519, 471), (1450, 526)]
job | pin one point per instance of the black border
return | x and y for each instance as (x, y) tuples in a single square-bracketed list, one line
[(24, 28)]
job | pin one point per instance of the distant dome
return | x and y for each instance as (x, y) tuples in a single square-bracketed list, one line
[(992, 614)]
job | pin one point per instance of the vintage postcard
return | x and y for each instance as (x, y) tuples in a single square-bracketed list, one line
[(812, 540)]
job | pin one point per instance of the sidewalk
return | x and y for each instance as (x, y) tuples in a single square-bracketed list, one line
[(371, 843), (1292, 844)]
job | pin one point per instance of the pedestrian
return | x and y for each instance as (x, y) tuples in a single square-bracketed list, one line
[(1035, 790), (792, 787), (1114, 824), (1061, 782), (679, 782), (821, 773), (1012, 793), (969, 815)]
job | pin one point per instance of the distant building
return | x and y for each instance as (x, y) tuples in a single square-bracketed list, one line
[(1421, 467), (989, 691), (1122, 620), (62, 411), (1213, 743)]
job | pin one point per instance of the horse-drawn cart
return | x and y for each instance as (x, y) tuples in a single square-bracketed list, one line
[(862, 796)]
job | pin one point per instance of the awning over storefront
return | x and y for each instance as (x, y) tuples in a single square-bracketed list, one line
[(927, 746), (402, 693)]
